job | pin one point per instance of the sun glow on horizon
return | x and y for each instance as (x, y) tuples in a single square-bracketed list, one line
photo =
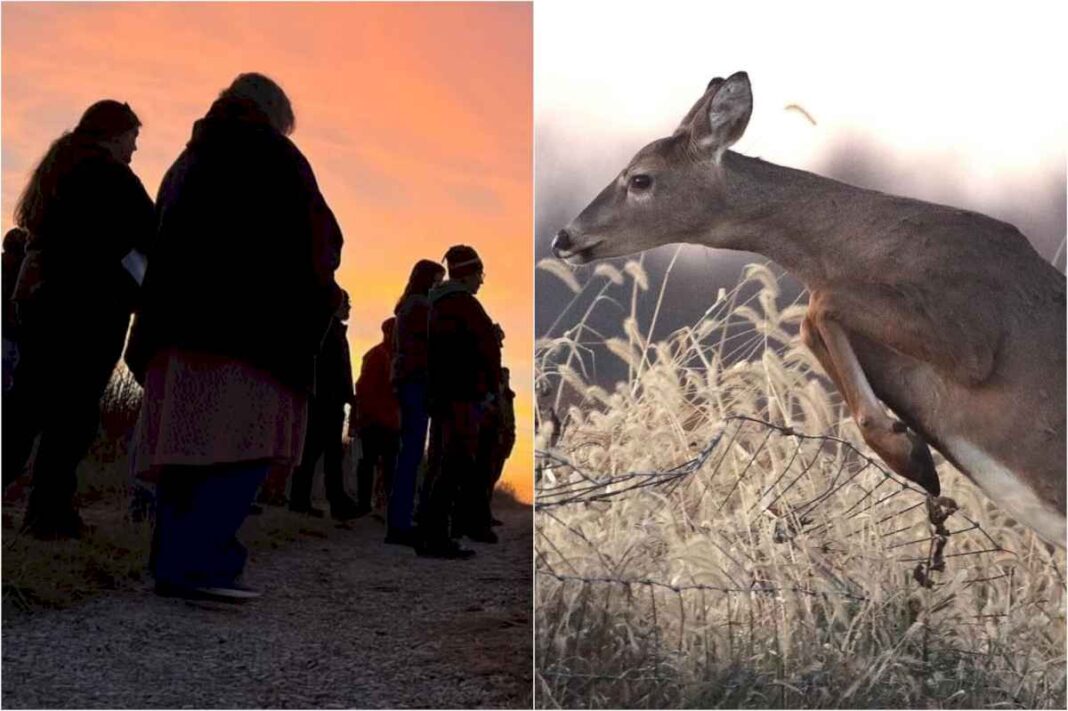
[(417, 119)]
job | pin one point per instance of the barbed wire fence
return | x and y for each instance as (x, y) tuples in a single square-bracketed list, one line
[(608, 635)]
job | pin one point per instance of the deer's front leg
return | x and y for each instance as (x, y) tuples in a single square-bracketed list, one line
[(902, 450)]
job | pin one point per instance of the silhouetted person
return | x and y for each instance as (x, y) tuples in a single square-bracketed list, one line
[(84, 210), (14, 252), (464, 365), (237, 299), (501, 437), (409, 376), (377, 420), (471, 514), (326, 425)]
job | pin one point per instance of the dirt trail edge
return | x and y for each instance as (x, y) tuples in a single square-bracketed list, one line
[(345, 621)]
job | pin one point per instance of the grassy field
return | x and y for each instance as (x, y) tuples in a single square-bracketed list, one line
[(712, 533), (114, 553)]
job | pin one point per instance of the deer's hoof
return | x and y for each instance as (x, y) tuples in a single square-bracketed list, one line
[(921, 468)]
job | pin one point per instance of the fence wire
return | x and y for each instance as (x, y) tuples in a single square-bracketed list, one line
[(567, 483), (759, 471)]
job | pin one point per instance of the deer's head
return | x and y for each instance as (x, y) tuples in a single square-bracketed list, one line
[(672, 190)]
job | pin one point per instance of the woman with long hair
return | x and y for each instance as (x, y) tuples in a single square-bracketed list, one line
[(409, 376), (84, 211), (238, 296)]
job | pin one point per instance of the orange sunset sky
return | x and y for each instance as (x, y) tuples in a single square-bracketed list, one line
[(417, 119)]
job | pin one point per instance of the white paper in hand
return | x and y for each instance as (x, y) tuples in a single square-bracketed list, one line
[(135, 263)]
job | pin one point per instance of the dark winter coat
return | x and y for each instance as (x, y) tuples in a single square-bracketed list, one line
[(333, 368), (410, 340), (464, 355), (14, 252), (244, 258), (98, 213)]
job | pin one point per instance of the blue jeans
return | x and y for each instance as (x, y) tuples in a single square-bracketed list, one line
[(198, 513), (414, 418)]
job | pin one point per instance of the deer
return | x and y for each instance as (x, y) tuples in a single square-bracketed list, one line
[(946, 318)]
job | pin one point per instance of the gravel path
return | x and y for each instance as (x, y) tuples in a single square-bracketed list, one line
[(345, 621)]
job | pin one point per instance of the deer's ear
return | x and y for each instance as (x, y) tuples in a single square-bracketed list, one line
[(687, 121), (725, 115)]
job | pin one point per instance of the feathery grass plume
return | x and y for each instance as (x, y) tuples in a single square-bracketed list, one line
[(717, 535), (609, 272), (561, 271), (637, 273)]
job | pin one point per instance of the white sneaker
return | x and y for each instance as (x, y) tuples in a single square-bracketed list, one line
[(234, 593), (230, 593)]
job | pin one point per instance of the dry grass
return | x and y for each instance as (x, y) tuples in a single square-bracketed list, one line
[(114, 554), (778, 570), (42, 574)]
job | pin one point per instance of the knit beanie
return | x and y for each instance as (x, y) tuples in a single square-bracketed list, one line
[(462, 260)]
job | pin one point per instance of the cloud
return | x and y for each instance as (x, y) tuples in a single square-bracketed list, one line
[(416, 118), (476, 197)]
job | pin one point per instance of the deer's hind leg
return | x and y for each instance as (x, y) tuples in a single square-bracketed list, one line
[(905, 453)]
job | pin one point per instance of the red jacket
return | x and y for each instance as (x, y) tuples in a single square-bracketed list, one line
[(376, 403)]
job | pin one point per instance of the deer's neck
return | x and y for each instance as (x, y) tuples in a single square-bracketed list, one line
[(792, 217)]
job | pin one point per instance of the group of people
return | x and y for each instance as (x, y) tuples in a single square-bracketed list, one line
[(437, 367), (441, 354), (238, 341)]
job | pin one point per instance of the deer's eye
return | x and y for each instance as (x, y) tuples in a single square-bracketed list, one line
[(640, 182)]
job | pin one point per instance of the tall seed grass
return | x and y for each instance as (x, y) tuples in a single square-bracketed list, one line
[(785, 571)]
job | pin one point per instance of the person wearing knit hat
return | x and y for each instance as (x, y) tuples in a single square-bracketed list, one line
[(464, 263), (464, 363), (85, 213)]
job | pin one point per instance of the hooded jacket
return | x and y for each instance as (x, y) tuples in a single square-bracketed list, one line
[(376, 402), (464, 356), (244, 258)]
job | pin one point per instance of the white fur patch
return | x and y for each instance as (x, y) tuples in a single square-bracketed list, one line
[(1010, 493)]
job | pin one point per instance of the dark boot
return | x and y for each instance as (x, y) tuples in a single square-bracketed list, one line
[(447, 550), (307, 509), (482, 535), (403, 537), (56, 524), (345, 509)]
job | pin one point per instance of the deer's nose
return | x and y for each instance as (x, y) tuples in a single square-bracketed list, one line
[(561, 242)]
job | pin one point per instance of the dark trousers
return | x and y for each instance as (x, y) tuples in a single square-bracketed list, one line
[(472, 509), (430, 474), (502, 449), (378, 444), (65, 365), (456, 429), (326, 423), (414, 420), (198, 513)]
